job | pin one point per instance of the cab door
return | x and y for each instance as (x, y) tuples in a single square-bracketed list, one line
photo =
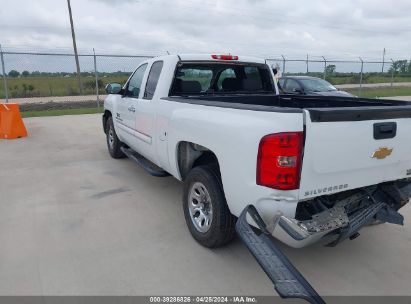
[(126, 113), (146, 113)]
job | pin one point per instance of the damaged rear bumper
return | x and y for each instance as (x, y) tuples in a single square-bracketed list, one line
[(345, 218)]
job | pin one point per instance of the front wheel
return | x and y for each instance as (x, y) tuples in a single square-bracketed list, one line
[(205, 208), (113, 143)]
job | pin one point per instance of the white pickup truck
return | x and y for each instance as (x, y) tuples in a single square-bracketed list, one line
[(300, 168)]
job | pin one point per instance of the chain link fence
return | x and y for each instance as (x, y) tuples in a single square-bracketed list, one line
[(51, 78), (46, 78), (364, 78)]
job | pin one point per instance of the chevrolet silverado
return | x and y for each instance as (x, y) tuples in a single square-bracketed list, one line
[(301, 169)]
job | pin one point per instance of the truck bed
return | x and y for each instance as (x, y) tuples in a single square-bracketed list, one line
[(344, 137), (321, 108), (291, 101)]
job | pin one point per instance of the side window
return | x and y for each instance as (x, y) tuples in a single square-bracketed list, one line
[(292, 86), (134, 84), (153, 79), (227, 73)]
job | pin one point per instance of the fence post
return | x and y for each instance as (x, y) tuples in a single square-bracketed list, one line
[(392, 73), (96, 75), (307, 63), (361, 73), (6, 93), (325, 67), (283, 64)]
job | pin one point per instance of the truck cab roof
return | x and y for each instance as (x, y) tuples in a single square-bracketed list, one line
[(209, 57)]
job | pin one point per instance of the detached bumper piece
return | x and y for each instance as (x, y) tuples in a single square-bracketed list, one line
[(339, 218), (287, 280)]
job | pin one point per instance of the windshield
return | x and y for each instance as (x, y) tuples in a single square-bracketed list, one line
[(205, 78), (317, 85)]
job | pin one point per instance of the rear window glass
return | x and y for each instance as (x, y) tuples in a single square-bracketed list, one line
[(218, 78), (227, 73), (201, 75)]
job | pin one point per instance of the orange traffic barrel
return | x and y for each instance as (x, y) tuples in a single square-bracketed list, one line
[(11, 124)]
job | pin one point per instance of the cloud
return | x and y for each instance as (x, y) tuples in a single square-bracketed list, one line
[(340, 29)]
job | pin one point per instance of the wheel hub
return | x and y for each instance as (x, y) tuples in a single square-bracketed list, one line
[(111, 137), (200, 207)]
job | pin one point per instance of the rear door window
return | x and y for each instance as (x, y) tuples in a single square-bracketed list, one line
[(152, 80)]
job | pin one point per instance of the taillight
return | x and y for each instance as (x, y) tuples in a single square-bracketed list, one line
[(279, 160), (224, 57)]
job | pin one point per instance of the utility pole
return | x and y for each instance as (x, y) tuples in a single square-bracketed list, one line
[(383, 61), (362, 70), (325, 67), (96, 75), (283, 72), (73, 35)]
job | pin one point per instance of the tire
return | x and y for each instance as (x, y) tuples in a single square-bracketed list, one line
[(113, 143), (203, 184)]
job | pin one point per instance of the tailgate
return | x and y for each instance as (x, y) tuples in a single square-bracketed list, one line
[(353, 148)]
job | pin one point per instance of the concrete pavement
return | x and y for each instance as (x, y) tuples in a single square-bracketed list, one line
[(74, 221)]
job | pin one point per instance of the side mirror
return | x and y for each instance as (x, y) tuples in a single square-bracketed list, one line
[(299, 91), (113, 88)]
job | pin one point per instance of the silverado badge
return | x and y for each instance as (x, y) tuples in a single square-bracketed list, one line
[(382, 152)]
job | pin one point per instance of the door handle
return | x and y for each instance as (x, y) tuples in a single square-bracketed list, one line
[(132, 109), (385, 130)]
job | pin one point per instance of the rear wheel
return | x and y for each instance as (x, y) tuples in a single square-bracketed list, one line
[(113, 143), (205, 208)]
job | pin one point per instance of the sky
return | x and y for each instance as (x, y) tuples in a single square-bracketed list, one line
[(344, 29)]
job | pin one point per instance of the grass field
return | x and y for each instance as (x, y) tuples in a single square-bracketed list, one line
[(55, 86), (60, 112), (366, 79), (381, 92)]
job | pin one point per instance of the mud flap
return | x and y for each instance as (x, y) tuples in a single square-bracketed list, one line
[(287, 280)]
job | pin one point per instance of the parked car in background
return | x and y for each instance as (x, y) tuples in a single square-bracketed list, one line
[(307, 85)]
